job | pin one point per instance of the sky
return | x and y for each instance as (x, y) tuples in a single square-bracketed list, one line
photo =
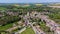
[(27, 1)]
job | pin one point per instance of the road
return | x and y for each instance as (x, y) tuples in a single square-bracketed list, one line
[(15, 27), (36, 29), (11, 29), (20, 31), (50, 23)]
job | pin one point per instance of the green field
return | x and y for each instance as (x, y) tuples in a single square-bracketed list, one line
[(28, 31), (2, 28)]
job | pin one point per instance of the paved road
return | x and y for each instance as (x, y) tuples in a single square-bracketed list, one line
[(20, 31), (11, 29), (36, 29), (14, 27), (50, 23)]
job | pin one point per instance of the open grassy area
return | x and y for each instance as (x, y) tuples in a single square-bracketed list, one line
[(2, 28), (28, 31), (3, 33)]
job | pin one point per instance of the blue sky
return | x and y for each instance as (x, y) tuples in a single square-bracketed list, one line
[(27, 1)]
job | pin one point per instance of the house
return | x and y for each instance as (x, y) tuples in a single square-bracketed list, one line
[(57, 31), (33, 13), (12, 13), (1, 14)]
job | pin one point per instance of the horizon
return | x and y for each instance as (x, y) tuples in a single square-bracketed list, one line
[(28, 1), (33, 3)]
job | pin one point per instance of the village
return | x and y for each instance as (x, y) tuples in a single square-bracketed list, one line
[(37, 18), (29, 19)]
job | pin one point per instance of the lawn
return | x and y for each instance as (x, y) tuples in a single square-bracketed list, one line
[(28, 31), (2, 28), (44, 27)]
